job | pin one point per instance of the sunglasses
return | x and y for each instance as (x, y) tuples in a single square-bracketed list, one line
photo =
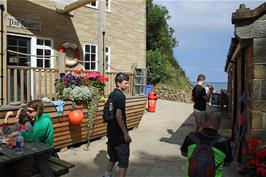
[(31, 110)]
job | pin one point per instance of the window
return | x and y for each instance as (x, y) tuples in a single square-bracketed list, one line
[(107, 59), (43, 52), (18, 44), (108, 5), (91, 58), (93, 4)]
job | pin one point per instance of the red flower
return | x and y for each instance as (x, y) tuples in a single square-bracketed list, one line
[(78, 71), (244, 151)]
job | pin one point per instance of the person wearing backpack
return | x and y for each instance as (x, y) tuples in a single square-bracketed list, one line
[(117, 133), (200, 99), (207, 151)]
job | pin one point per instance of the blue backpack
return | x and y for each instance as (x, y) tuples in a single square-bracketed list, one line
[(202, 160)]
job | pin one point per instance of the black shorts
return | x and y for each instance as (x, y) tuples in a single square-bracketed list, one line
[(119, 153)]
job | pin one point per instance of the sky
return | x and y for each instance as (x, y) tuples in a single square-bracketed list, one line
[(204, 31)]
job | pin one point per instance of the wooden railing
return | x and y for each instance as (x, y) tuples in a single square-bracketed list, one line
[(110, 84), (28, 83)]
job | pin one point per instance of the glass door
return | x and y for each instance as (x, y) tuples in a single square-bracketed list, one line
[(17, 61)]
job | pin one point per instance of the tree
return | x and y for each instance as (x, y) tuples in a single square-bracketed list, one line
[(160, 42), (156, 67)]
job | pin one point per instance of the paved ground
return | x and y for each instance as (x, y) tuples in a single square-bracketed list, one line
[(154, 150)]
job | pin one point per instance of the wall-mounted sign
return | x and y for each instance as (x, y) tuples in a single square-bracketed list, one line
[(17, 22)]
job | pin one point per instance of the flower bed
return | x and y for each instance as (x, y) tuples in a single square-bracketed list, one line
[(82, 88), (255, 158)]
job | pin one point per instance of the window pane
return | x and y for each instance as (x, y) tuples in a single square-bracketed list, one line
[(106, 59), (47, 63), (12, 41), (47, 52), (22, 50), (93, 4), (93, 49), (87, 48), (93, 66), (87, 66), (39, 42), (106, 49), (47, 43), (93, 57), (39, 52), (87, 57), (22, 43), (39, 63)]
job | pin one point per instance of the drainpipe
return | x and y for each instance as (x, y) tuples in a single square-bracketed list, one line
[(103, 54), (2, 52)]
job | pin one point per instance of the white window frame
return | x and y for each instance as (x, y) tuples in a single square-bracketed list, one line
[(108, 63), (43, 47), (33, 50), (107, 7), (96, 56), (91, 6)]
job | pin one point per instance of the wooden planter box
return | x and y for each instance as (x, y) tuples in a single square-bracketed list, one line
[(66, 134)]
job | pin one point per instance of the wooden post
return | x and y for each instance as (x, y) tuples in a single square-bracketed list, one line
[(61, 62)]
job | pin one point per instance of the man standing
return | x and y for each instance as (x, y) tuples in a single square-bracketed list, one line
[(208, 135), (117, 133), (200, 99)]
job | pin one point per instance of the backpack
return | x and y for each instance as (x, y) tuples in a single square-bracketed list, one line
[(108, 110), (202, 160)]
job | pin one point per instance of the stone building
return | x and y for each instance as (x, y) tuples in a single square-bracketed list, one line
[(42, 38), (246, 68)]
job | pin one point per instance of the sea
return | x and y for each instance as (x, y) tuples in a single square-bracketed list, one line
[(216, 85)]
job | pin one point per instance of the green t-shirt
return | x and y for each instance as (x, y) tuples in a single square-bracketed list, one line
[(42, 130)]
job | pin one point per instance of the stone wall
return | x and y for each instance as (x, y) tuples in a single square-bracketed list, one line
[(258, 85), (124, 26), (167, 93)]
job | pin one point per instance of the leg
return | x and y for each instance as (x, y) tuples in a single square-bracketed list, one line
[(110, 166), (196, 126), (113, 158), (42, 164), (122, 172), (123, 158)]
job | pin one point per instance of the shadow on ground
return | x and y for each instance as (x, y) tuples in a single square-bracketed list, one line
[(178, 136)]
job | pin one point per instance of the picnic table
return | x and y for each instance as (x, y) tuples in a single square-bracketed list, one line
[(47, 167)]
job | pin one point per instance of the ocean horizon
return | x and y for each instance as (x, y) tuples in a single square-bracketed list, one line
[(216, 85)]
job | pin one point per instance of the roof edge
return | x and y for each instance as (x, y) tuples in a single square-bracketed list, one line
[(244, 13), (231, 50)]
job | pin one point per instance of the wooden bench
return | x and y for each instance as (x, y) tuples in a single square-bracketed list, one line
[(58, 166)]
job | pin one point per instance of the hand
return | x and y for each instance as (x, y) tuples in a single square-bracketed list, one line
[(9, 113), (127, 138), (18, 113)]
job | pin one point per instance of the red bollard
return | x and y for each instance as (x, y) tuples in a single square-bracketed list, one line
[(152, 98)]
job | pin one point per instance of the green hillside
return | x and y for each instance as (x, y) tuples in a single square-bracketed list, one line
[(162, 67)]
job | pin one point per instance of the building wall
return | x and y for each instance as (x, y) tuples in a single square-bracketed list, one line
[(258, 85), (125, 28)]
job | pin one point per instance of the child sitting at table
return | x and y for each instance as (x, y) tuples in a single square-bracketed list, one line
[(23, 122)]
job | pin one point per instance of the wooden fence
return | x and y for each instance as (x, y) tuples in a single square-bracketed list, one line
[(66, 134)]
